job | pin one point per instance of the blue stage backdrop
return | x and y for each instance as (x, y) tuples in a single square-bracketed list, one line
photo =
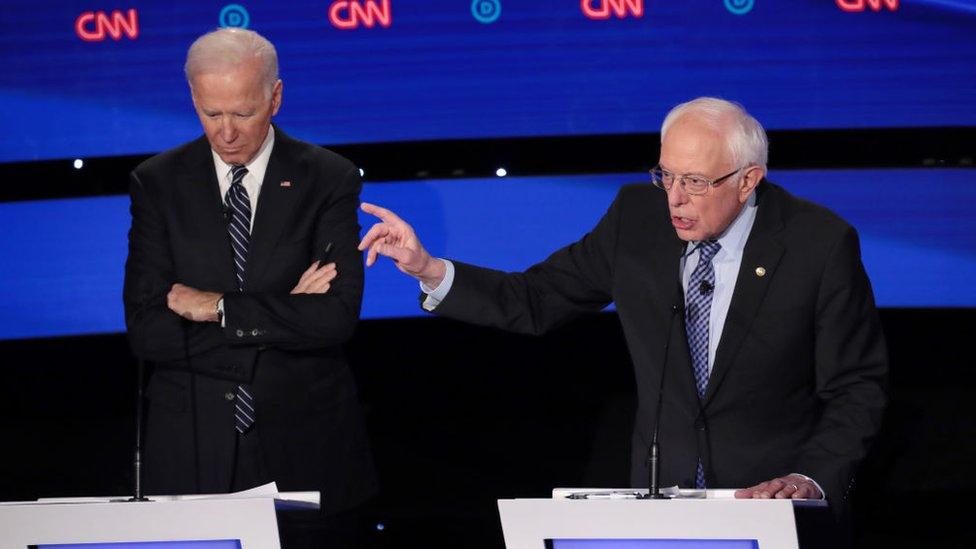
[(87, 79), (61, 261)]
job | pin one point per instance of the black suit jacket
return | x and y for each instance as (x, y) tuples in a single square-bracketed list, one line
[(286, 347), (797, 383)]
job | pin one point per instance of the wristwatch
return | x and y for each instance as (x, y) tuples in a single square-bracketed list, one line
[(220, 311)]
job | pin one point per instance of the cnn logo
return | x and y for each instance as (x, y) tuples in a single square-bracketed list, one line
[(94, 26), (601, 9), (352, 14), (861, 5)]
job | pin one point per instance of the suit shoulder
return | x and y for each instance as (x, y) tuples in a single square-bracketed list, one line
[(641, 199), (808, 215), (639, 193), (168, 160), (810, 227), (320, 157)]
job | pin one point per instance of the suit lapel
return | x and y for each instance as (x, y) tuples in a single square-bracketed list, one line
[(759, 261), (280, 192), (207, 208), (666, 268)]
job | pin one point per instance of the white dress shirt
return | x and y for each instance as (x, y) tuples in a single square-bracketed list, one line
[(254, 177), (726, 263)]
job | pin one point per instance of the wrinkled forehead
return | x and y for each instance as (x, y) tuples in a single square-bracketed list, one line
[(692, 145), (247, 73), (239, 86)]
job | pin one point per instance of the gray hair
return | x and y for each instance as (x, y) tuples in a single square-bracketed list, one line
[(228, 48), (746, 137)]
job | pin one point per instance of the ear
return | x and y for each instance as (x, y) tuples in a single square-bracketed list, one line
[(751, 177), (276, 97)]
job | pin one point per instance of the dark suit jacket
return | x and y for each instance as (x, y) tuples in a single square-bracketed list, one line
[(286, 347), (797, 383)]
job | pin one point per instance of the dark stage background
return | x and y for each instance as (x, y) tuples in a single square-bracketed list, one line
[(454, 430)]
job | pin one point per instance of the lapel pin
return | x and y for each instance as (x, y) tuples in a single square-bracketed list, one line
[(286, 183), (760, 272)]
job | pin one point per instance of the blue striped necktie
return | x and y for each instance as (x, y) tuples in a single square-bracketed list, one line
[(239, 227), (698, 309)]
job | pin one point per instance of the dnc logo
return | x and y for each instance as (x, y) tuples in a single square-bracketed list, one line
[(486, 11), (234, 15), (740, 7)]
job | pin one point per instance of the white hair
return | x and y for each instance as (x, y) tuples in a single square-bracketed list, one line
[(229, 48), (746, 137)]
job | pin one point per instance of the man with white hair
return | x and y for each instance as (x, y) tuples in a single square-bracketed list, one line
[(232, 292), (751, 303)]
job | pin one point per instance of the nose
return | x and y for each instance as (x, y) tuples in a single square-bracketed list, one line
[(228, 131), (677, 195)]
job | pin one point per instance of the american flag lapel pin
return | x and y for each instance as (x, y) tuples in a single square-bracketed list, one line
[(286, 183)]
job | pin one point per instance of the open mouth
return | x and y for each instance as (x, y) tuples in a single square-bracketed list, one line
[(682, 222)]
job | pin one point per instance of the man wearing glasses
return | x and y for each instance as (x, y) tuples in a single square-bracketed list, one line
[(751, 303)]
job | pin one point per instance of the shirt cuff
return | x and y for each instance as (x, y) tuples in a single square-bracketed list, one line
[(220, 313), (436, 295)]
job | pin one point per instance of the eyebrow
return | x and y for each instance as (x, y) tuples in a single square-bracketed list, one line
[(663, 167)]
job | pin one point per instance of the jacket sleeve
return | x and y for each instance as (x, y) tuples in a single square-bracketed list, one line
[(851, 366), (155, 332), (575, 279), (309, 321)]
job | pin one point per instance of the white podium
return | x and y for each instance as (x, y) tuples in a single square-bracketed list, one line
[(613, 520), (225, 521)]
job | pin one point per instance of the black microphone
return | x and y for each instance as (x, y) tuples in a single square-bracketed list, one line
[(654, 452), (705, 287), (137, 494)]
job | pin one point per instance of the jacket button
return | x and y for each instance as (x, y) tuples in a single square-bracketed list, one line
[(229, 396)]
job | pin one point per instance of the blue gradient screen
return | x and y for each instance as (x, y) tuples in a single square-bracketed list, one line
[(86, 79), (917, 230)]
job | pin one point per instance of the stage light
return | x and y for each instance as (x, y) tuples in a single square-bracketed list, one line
[(79, 163), (362, 172), (501, 172), (380, 527)]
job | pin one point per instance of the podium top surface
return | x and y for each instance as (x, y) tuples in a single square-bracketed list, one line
[(682, 494), (283, 500)]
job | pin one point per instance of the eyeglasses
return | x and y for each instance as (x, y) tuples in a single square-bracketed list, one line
[(692, 184)]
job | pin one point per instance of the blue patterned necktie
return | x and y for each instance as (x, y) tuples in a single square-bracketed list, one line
[(239, 227), (698, 309)]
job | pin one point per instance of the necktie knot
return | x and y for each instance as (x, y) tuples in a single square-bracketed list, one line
[(708, 249), (238, 171)]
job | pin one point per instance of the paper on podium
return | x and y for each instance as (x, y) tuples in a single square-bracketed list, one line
[(283, 500), (671, 492)]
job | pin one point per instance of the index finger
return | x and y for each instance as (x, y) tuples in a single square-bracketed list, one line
[(311, 268), (380, 212)]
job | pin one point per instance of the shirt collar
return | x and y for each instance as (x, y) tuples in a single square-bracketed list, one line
[(256, 165)]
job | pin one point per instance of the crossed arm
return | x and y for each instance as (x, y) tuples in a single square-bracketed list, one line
[(201, 306)]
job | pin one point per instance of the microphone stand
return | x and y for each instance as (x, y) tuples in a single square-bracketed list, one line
[(137, 454), (654, 452)]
